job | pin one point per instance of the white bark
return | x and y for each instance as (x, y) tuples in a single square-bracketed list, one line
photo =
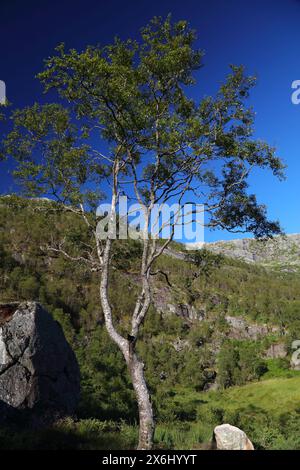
[(135, 365), (146, 421)]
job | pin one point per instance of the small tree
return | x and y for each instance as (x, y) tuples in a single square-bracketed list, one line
[(161, 147)]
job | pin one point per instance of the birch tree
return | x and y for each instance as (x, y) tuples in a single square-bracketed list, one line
[(125, 123)]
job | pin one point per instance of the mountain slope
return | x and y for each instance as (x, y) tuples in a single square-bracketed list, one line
[(207, 328), (281, 252)]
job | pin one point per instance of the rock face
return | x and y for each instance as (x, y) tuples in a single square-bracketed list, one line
[(276, 351), (241, 329), (282, 251), (39, 374), (185, 311), (165, 305), (227, 437)]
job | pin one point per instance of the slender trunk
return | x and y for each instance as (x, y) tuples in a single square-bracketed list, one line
[(135, 365), (146, 421)]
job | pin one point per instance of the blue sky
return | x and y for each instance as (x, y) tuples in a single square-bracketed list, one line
[(264, 35)]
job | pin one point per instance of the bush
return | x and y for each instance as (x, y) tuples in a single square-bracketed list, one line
[(239, 362)]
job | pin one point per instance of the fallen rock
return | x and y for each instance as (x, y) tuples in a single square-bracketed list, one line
[(39, 374), (227, 437)]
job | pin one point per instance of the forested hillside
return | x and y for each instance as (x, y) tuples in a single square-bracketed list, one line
[(216, 325)]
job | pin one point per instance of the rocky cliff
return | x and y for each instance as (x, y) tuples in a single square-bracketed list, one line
[(279, 252)]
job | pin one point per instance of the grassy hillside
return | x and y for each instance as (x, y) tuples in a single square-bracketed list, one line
[(268, 411), (187, 344)]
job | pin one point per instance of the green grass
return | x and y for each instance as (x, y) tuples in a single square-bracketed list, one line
[(273, 395), (279, 368), (85, 434), (268, 411), (182, 435)]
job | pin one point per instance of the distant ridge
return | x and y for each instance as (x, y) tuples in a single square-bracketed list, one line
[(282, 251), (43, 199)]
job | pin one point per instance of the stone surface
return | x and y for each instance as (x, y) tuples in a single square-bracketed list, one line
[(276, 351), (241, 329), (295, 359), (281, 251), (39, 374), (227, 437)]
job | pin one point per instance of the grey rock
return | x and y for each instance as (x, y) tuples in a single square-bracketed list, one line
[(295, 364), (276, 351), (163, 303), (281, 251), (209, 376), (241, 329), (185, 311), (295, 359), (227, 437), (39, 373)]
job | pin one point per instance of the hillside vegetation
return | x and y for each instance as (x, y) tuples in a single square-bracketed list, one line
[(202, 367)]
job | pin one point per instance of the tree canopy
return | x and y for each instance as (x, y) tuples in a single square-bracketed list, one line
[(129, 102), (125, 123)]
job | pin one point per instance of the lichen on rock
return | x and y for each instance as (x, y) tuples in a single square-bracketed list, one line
[(39, 374)]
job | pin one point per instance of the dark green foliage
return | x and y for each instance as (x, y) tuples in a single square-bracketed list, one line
[(239, 362), (267, 431), (67, 434), (106, 389), (205, 261), (133, 95), (70, 293)]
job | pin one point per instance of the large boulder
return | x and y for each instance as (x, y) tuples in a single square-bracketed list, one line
[(227, 437), (39, 374)]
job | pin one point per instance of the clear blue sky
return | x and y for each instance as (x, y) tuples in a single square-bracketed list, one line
[(264, 35)]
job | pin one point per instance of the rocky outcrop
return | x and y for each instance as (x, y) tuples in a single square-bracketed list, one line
[(240, 329), (227, 437), (185, 311), (39, 374), (282, 251), (164, 304), (276, 351)]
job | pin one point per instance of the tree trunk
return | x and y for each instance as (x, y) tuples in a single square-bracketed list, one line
[(146, 421)]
